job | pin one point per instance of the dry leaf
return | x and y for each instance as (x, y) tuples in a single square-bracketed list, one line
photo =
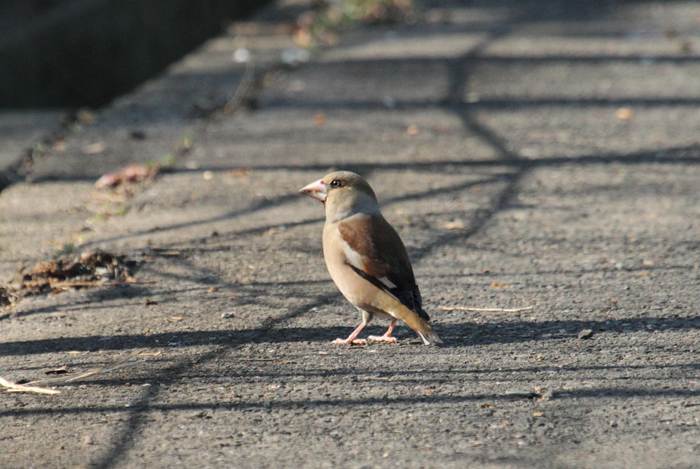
[(129, 173), (60, 145), (85, 116), (454, 225), (237, 172), (412, 130), (94, 148), (319, 118), (57, 371), (624, 113)]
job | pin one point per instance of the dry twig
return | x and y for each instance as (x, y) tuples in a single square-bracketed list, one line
[(114, 365), (99, 284), (14, 387), (487, 310), (32, 386)]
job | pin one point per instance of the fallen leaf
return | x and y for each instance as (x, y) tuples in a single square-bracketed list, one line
[(129, 173), (319, 118), (537, 414), (94, 148), (412, 130), (302, 37), (212, 290), (237, 172), (454, 225), (57, 371), (60, 145), (624, 113), (86, 116)]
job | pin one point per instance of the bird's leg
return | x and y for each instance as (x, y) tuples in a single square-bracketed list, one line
[(387, 335), (352, 338)]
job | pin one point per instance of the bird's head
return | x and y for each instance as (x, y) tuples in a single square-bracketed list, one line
[(344, 194)]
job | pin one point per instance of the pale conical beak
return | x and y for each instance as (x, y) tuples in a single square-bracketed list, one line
[(318, 190)]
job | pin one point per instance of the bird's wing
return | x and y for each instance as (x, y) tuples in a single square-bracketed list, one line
[(375, 251)]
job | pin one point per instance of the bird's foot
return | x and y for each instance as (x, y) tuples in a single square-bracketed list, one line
[(382, 338), (350, 341)]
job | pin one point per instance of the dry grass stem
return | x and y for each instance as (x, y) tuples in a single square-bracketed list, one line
[(98, 284), (487, 310), (14, 387), (114, 365)]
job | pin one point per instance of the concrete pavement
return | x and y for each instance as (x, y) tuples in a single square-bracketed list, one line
[(535, 154)]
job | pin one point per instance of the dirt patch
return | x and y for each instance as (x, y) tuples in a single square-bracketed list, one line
[(89, 269)]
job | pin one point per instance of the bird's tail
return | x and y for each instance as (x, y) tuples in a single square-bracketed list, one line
[(428, 335), (424, 330)]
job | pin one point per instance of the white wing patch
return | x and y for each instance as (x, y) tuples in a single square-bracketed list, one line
[(387, 282), (353, 257)]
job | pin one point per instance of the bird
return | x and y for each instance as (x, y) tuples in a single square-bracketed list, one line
[(367, 259)]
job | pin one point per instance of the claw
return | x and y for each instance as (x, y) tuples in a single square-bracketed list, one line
[(350, 341), (382, 338)]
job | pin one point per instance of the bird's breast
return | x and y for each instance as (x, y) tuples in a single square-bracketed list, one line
[(357, 290)]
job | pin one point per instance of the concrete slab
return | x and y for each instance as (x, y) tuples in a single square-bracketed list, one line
[(510, 189)]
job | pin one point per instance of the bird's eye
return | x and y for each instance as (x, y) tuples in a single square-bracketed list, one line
[(336, 184)]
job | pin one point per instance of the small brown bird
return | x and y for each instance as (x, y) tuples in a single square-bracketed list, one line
[(367, 259)]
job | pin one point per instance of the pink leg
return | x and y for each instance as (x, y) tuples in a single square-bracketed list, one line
[(352, 337), (386, 337)]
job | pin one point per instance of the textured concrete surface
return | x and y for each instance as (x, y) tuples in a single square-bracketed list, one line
[(532, 154)]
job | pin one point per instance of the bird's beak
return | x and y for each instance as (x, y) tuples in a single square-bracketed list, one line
[(318, 190)]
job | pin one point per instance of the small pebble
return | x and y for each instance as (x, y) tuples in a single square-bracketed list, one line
[(585, 334), (241, 55), (228, 315)]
